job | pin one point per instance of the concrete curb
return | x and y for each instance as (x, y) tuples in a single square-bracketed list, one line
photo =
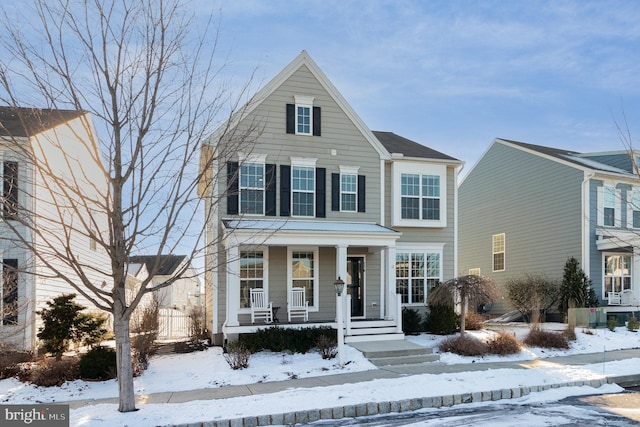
[(406, 405)]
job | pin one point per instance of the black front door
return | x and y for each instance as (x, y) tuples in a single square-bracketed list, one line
[(355, 284)]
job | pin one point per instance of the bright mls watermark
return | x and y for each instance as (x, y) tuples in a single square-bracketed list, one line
[(34, 415)]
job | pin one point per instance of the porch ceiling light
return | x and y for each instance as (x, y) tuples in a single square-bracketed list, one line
[(339, 284)]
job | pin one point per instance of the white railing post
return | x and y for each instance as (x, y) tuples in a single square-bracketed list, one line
[(399, 313), (348, 315), (340, 316)]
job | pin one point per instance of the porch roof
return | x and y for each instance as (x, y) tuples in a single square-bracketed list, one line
[(290, 232)]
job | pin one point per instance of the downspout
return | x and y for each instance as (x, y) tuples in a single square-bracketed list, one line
[(586, 221)]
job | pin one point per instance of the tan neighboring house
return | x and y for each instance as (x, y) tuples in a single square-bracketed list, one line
[(318, 196), (64, 143)]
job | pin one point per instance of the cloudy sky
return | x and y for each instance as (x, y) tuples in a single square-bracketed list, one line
[(454, 75)]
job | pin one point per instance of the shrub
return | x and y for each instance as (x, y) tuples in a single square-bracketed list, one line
[(190, 346), (237, 355), (474, 321), (197, 331), (54, 372), (464, 346), (546, 339), (10, 362), (633, 324), (576, 290), (411, 321), (328, 346), (278, 339), (612, 324), (143, 344), (532, 294), (442, 320), (99, 363), (503, 343)]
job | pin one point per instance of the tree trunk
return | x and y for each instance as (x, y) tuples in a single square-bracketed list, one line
[(463, 315), (127, 401)]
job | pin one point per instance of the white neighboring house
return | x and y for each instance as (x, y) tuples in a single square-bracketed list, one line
[(39, 149), (175, 301)]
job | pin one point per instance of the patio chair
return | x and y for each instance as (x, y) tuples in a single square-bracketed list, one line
[(615, 298), (298, 306), (260, 308), (628, 298)]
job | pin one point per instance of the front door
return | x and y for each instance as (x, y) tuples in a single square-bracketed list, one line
[(355, 284)]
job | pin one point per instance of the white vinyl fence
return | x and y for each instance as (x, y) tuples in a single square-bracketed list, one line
[(173, 324)]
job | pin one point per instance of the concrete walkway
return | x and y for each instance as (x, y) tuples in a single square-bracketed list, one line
[(395, 371)]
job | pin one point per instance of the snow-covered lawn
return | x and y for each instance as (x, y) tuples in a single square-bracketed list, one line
[(208, 369)]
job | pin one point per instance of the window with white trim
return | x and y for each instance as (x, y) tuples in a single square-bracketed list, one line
[(303, 271), (609, 206), (417, 273), (498, 249), (617, 273), (304, 115), (348, 189), (252, 188), (303, 186), (252, 269), (419, 194), (633, 208)]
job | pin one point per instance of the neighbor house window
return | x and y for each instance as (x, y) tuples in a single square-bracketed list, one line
[(474, 272), (252, 188), (617, 273), (9, 300), (303, 190), (419, 194), (498, 252), (304, 270), (609, 204), (10, 189), (252, 276), (633, 208), (417, 273)]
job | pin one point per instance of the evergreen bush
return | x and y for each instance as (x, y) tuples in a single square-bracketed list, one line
[(412, 322), (441, 320), (278, 339), (99, 363)]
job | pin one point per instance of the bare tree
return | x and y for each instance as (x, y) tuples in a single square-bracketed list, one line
[(471, 288), (154, 94)]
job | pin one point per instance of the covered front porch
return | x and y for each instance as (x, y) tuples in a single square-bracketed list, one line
[(277, 256)]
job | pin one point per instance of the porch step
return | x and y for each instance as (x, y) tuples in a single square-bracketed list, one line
[(373, 338), (397, 352)]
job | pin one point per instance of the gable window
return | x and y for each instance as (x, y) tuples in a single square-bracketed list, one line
[(252, 269), (498, 242), (419, 193), (617, 273), (252, 188), (10, 189), (303, 270), (417, 273), (9, 300), (302, 117)]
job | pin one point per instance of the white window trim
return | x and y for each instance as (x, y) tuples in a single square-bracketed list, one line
[(617, 221), (631, 206), (307, 162), (349, 170), (265, 275), (399, 168), (307, 102), (494, 252), (430, 248), (251, 158), (316, 269)]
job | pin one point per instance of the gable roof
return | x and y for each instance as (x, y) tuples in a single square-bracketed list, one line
[(166, 266), (398, 144), (303, 59), (25, 122)]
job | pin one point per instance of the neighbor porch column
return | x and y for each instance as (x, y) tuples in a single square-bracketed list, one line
[(390, 283), (233, 284)]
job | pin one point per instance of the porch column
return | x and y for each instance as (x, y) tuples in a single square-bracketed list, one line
[(341, 271), (390, 284), (233, 284)]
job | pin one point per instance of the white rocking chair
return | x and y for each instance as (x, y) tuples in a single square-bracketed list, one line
[(614, 298), (298, 306), (260, 309)]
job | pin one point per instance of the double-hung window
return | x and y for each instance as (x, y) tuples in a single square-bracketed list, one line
[(303, 185), (303, 271), (348, 188), (252, 188), (420, 194), (633, 208), (252, 269), (498, 244), (10, 189), (417, 273), (609, 206), (617, 273), (9, 300)]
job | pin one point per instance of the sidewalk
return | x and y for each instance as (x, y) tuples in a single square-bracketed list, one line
[(386, 372)]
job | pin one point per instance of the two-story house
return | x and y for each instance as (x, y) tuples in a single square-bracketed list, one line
[(41, 218), (316, 196), (527, 208)]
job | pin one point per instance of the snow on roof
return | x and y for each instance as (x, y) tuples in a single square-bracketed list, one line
[(594, 164)]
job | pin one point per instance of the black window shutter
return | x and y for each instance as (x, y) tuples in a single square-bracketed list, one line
[(321, 192), (291, 118), (362, 190), (335, 191), (316, 121), (285, 190), (10, 292), (10, 190), (270, 190), (232, 188)]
